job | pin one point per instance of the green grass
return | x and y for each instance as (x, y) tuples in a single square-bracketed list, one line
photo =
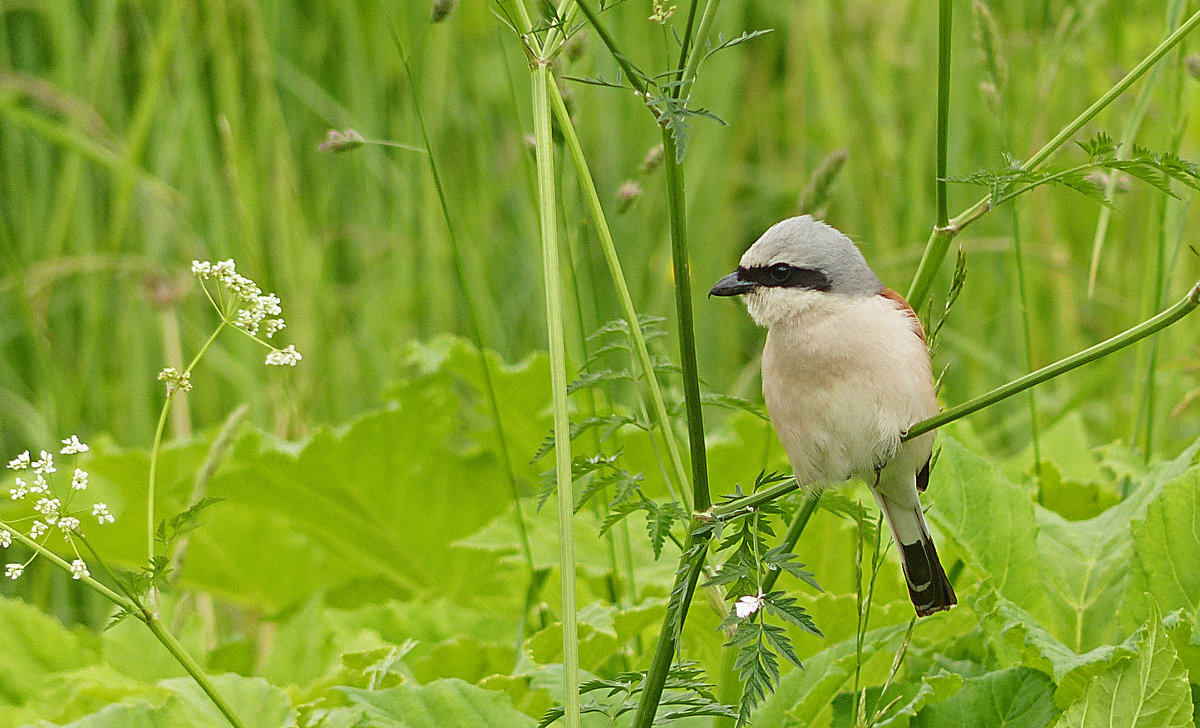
[(136, 137), (118, 166)]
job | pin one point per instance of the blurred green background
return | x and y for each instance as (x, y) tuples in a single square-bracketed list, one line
[(137, 136)]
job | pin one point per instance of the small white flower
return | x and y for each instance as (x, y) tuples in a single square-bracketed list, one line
[(68, 524), (273, 326), (284, 357), (72, 446), (20, 491), (44, 465), (13, 571), (79, 569), (20, 462), (38, 529), (39, 484), (79, 480), (748, 605), (202, 269), (48, 506), (100, 511), (5, 539)]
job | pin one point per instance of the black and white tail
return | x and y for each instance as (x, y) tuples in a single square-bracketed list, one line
[(928, 586)]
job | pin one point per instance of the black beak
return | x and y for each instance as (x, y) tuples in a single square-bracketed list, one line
[(732, 285)]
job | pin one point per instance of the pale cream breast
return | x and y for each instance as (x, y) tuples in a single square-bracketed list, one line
[(843, 377)]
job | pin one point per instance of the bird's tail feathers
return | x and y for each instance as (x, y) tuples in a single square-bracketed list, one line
[(928, 586)]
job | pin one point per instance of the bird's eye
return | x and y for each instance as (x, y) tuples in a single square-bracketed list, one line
[(780, 272)]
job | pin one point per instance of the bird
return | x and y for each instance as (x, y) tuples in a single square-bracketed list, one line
[(845, 373)]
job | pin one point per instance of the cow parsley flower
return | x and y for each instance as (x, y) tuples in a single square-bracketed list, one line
[(176, 380), (244, 305), (100, 511), (284, 357), (52, 505), (72, 446), (20, 462)]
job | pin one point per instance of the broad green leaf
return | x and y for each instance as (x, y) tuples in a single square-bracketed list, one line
[(34, 646), (896, 707), (1033, 646), (1149, 689), (1086, 564), (465, 658), (303, 648), (258, 703), (447, 703), (1014, 698), (527, 699), (72, 695), (989, 519), (1167, 548), (1072, 500)]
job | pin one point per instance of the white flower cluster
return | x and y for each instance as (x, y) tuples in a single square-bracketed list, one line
[(176, 380), (50, 513), (255, 311)]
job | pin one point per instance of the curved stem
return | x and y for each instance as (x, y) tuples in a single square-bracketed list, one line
[(157, 446), (584, 176), (1104, 348)]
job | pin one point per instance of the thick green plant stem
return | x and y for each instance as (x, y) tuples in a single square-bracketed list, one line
[(142, 613), (701, 500), (1185, 306), (1182, 308), (691, 566), (945, 15), (584, 175), (558, 380), (939, 241)]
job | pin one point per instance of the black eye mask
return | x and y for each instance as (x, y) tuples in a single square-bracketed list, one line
[(782, 275)]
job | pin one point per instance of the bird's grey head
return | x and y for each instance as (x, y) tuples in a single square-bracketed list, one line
[(793, 266)]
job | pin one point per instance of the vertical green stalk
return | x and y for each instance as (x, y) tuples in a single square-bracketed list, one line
[(544, 153), (945, 16), (681, 267), (476, 331), (608, 247)]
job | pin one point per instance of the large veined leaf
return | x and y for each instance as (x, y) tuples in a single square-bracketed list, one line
[(1167, 548), (449, 703), (1086, 564), (1033, 646), (989, 519), (1149, 689), (1014, 698), (258, 703)]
